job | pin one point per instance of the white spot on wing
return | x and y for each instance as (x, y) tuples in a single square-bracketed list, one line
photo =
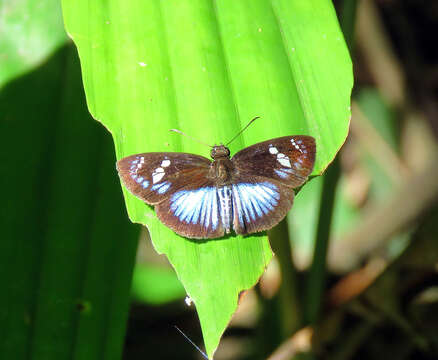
[(283, 160), (273, 150), (136, 164), (295, 144), (157, 175), (165, 163)]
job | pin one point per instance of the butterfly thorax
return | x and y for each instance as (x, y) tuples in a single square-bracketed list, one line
[(221, 167)]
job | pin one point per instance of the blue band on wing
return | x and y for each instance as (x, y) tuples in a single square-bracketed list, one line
[(254, 200), (196, 206)]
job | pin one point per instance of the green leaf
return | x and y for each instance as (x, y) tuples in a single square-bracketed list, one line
[(382, 119), (155, 285), (67, 249), (303, 219), (207, 68), (29, 31)]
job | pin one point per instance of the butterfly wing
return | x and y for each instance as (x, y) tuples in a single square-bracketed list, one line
[(193, 211), (259, 203), (189, 201), (264, 177), (287, 159), (185, 198), (152, 177)]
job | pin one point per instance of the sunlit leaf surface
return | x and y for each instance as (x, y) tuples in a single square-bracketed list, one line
[(207, 68)]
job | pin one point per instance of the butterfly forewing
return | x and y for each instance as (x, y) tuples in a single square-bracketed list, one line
[(177, 184), (154, 176), (287, 159)]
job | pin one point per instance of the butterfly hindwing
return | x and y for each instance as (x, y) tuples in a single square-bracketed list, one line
[(259, 204), (287, 159), (153, 177), (193, 211)]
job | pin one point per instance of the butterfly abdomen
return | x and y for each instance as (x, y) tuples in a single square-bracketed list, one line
[(226, 206)]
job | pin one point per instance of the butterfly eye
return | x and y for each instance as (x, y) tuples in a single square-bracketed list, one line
[(219, 151)]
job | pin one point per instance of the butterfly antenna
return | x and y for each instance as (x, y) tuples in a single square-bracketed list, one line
[(191, 342), (241, 131), (190, 137)]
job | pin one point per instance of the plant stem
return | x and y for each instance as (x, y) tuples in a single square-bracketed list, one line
[(348, 21), (316, 279), (287, 296)]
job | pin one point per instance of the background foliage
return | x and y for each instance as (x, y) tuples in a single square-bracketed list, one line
[(67, 250)]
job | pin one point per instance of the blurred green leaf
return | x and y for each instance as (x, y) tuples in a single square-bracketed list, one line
[(304, 218), (67, 249), (383, 179), (207, 68), (155, 285), (30, 31), (381, 116), (382, 119)]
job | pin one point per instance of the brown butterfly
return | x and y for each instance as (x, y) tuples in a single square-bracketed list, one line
[(199, 198)]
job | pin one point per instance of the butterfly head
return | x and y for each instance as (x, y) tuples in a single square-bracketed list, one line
[(219, 151)]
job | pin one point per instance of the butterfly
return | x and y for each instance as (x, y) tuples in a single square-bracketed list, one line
[(203, 199)]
